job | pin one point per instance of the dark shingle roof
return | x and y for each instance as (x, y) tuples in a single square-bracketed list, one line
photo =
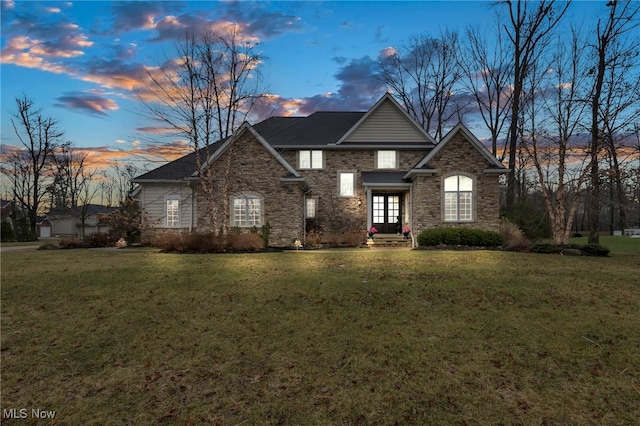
[(383, 178), (318, 129), (184, 167), (179, 169)]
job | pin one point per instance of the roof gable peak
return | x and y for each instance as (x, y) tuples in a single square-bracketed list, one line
[(405, 128), (461, 128)]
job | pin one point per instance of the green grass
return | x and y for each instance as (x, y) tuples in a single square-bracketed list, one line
[(327, 337), (617, 245)]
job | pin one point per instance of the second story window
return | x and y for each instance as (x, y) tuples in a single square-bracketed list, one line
[(386, 160), (346, 184), (310, 159)]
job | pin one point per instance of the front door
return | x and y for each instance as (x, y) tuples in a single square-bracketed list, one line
[(386, 212)]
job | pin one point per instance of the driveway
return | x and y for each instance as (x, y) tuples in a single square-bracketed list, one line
[(4, 248)]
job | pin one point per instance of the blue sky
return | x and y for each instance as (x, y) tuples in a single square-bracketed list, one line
[(81, 60)]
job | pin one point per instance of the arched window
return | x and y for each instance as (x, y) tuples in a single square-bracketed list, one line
[(458, 199), (247, 210)]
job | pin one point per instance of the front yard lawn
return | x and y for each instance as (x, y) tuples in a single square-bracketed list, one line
[(322, 337)]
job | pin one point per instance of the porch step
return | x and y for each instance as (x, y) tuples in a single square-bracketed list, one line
[(388, 241)]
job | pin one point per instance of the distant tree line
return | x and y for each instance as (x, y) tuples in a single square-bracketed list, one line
[(561, 104), (49, 173)]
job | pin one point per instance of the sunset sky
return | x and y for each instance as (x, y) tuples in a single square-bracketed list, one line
[(80, 61)]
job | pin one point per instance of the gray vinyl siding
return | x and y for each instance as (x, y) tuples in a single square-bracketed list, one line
[(387, 124), (153, 197)]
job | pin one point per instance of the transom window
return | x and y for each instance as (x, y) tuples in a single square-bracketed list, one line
[(172, 214), (387, 160), (346, 184), (310, 159), (458, 199), (247, 211)]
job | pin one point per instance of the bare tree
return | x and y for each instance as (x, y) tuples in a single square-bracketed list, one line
[(423, 76), (204, 95), (528, 29), (86, 192), (611, 48), (27, 169), (69, 176), (487, 75), (559, 160)]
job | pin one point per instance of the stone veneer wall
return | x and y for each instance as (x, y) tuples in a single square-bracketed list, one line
[(254, 171), (458, 157), (341, 214)]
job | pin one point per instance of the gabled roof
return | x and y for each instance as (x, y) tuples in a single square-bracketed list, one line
[(423, 165), (319, 130), (185, 167), (246, 127), (416, 131), (176, 170)]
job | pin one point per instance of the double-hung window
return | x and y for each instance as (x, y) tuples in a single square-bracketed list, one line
[(386, 160), (310, 208), (346, 184), (310, 159), (247, 211), (172, 212), (458, 199)]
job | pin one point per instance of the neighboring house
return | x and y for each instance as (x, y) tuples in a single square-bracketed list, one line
[(67, 222), (332, 171), (6, 208), (43, 228)]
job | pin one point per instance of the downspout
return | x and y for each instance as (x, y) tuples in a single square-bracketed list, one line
[(369, 209), (306, 190), (192, 207), (413, 239)]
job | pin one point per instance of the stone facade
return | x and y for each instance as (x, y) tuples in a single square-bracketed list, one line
[(266, 166), (251, 170), (459, 158), (341, 214)]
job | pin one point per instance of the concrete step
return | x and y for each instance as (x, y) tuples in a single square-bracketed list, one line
[(388, 241)]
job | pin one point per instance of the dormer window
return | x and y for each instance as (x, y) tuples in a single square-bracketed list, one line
[(387, 159), (310, 159)]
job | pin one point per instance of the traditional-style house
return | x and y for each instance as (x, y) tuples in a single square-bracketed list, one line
[(333, 172), (68, 222)]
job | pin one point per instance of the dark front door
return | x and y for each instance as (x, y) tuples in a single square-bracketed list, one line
[(386, 212)]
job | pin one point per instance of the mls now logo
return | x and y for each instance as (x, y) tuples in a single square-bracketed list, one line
[(23, 413)]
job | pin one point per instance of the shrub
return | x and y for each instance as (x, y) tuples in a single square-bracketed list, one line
[(102, 240), (545, 248), (246, 242), (208, 243), (533, 220), (513, 235), (6, 233), (72, 243), (585, 250), (460, 236), (595, 250)]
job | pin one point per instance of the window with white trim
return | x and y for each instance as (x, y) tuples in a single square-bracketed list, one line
[(172, 212), (386, 160), (247, 211), (346, 184), (310, 159), (458, 199), (310, 209)]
